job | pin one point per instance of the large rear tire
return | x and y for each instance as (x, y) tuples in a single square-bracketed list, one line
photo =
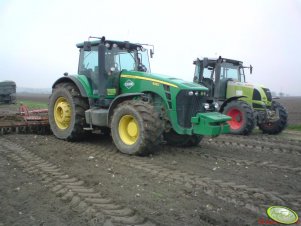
[(180, 140), (67, 112), (136, 127), (276, 126), (243, 121)]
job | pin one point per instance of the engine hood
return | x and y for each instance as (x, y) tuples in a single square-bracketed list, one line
[(251, 91), (163, 79)]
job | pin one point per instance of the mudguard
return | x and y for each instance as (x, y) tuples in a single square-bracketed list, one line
[(74, 80), (221, 109), (118, 100)]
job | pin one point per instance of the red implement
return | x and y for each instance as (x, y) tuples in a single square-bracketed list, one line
[(25, 121)]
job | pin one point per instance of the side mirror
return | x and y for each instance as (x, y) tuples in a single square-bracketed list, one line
[(251, 69), (151, 53), (87, 46)]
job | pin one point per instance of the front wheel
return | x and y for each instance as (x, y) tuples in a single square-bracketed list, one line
[(275, 127), (135, 127), (243, 121)]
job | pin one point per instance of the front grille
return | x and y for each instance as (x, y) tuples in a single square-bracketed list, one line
[(268, 94), (188, 106)]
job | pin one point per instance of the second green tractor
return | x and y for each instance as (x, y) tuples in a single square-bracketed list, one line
[(248, 105)]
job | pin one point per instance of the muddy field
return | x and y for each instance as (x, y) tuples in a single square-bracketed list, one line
[(293, 106), (229, 180)]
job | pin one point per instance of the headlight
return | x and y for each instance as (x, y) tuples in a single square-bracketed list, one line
[(206, 106), (190, 93), (215, 105), (196, 93)]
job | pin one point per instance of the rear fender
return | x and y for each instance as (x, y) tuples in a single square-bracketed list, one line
[(73, 80)]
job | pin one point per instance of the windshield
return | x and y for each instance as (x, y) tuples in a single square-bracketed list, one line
[(229, 70), (116, 59), (208, 72), (123, 59)]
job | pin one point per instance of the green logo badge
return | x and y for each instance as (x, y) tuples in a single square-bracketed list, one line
[(282, 214), (129, 84)]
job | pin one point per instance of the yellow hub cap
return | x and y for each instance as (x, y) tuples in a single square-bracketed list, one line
[(128, 129), (62, 113)]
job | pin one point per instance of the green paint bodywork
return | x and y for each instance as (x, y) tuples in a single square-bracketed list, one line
[(247, 90), (206, 123), (210, 123), (86, 85)]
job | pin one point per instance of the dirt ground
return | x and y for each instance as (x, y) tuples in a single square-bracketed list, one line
[(228, 180), (293, 106)]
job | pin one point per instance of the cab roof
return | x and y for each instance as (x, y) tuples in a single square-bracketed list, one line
[(214, 60), (120, 44)]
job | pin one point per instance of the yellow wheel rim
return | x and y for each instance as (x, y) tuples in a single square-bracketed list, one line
[(62, 113), (128, 129)]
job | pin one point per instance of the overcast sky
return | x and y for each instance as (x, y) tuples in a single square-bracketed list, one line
[(38, 37)]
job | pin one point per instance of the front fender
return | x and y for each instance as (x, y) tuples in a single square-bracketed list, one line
[(229, 100), (118, 100)]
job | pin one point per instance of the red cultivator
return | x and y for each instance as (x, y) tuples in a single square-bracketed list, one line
[(25, 121)]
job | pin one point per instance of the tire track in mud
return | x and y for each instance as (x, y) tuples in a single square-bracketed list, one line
[(91, 204), (251, 146), (250, 198), (264, 138), (267, 140), (241, 162)]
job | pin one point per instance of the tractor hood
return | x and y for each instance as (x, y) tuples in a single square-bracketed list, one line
[(163, 79), (250, 91)]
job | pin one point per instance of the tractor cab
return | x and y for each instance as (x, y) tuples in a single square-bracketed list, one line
[(216, 74), (102, 61)]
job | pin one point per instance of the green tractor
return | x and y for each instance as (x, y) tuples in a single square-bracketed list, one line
[(248, 105), (115, 93)]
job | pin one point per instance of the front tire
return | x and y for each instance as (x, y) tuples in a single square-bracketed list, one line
[(135, 127), (67, 112), (277, 126), (243, 121)]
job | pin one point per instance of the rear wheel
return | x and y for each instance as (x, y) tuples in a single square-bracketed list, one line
[(180, 140), (135, 127), (276, 126), (67, 112), (242, 121)]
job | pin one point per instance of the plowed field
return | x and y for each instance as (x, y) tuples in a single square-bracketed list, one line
[(228, 180)]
